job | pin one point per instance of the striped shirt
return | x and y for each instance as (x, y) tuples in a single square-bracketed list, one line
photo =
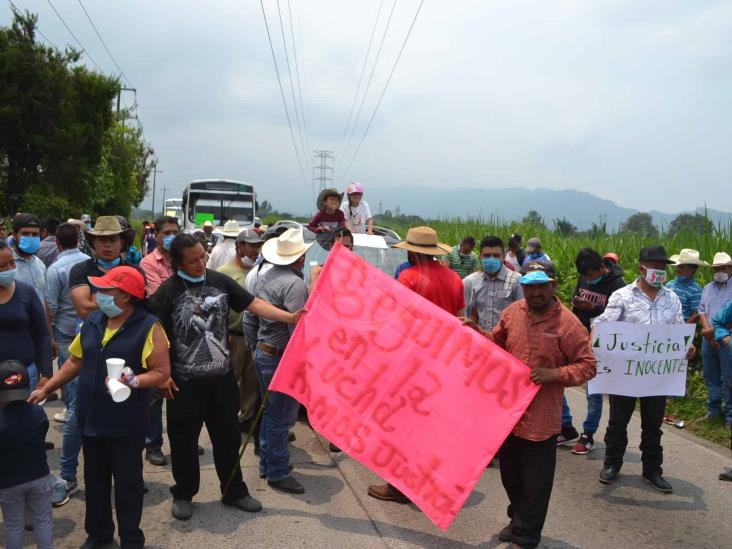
[(689, 293), (631, 304), (462, 264)]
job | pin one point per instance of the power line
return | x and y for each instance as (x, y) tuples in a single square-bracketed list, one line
[(83, 49), (297, 72), (282, 93), (383, 92), (360, 79), (292, 87), (105, 44), (368, 84)]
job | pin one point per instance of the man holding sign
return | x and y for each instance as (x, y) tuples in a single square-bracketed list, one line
[(645, 301)]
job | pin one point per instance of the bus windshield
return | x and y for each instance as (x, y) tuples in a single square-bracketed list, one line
[(219, 208)]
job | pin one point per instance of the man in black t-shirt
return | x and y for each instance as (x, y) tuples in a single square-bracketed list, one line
[(193, 306)]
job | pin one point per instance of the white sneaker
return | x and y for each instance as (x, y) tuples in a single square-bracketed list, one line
[(60, 417)]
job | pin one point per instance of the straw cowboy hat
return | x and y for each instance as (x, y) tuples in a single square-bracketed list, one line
[(721, 259), (286, 248), (688, 257), (325, 193), (231, 228), (423, 240), (108, 225)]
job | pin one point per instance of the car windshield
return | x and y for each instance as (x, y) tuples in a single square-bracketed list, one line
[(386, 260)]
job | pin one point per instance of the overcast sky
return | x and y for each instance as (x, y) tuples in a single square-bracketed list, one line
[(629, 100)]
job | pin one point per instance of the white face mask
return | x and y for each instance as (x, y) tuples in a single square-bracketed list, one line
[(655, 277), (721, 277), (248, 262)]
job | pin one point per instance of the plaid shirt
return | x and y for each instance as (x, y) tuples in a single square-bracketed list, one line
[(486, 297), (556, 340)]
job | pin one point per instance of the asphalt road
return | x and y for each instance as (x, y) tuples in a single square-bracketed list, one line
[(336, 512)]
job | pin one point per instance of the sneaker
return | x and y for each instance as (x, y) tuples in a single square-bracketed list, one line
[(584, 445), (60, 417), (61, 491), (567, 436)]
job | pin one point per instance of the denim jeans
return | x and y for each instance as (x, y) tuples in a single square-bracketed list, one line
[(33, 376), (594, 413), (280, 414), (35, 496), (718, 376), (72, 434), (154, 436)]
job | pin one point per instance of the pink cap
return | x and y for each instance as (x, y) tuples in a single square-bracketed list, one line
[(354, 188)]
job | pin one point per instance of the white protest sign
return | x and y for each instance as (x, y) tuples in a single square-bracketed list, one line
[(640, 359)]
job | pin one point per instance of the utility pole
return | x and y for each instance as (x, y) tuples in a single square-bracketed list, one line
[(322, 157), (165, 189), (155, 172), (119, 95)]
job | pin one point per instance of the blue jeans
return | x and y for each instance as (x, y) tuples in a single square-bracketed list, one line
[(72, 434), (718, 376), (154, 436), (594, 413), (33, 376), (279, 416)]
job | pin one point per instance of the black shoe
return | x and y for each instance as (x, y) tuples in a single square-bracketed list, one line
[(567, 436), (658, 482), (247, 503), (505, 534), (182, 509), (291, 436), (91, 543), (609, 475), (289, 485), (156, 457), (200, 450), (726, 475)]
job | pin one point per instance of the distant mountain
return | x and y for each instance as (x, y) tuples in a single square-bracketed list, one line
[(510, 204)]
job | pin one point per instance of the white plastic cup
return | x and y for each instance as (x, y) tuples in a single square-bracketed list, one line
[(114, 367), (118, 390)]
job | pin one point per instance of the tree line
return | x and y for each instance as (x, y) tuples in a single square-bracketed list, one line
[(63, 148)]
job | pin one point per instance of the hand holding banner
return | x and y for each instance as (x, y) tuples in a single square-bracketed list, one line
[(640, 359), (401, 386)]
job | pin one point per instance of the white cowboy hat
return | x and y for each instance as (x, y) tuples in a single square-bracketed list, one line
[(688, 257), (286, 248), (231, 228), (721, 259)]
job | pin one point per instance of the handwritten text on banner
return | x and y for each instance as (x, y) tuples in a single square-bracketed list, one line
[(401, 386), (640, 359)]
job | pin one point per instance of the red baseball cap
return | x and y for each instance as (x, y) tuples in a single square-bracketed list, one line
[(123, 278)]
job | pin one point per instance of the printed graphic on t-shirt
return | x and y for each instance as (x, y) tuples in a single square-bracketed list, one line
[(200, 348), (597, 299)]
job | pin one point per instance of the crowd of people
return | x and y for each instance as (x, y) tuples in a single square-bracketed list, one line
[(202, 322)]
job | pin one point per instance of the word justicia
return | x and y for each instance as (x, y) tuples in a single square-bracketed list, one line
[(618, 342)]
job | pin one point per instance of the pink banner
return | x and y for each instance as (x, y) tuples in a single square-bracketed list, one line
[(402, 386)]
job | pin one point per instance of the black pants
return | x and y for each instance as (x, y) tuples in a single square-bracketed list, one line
[(119, 458), (527, 473), (616, 437), (216, 404)]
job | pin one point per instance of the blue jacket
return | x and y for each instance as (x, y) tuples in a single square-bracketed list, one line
[(98, 414), (23, 429)]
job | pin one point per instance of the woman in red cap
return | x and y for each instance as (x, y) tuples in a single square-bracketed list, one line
[(114, 432)]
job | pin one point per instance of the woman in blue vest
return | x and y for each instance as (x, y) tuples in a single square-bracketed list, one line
[(114, 432)]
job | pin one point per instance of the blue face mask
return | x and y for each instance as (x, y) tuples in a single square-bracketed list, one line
[(29, 244), (682, 278), (106, 304), (190, 278), (594, 281), (108, 264), (491, 264), (167, 241), (7, 277)]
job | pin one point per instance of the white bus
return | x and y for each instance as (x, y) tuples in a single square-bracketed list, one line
[(218, 200), (174, 208)]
